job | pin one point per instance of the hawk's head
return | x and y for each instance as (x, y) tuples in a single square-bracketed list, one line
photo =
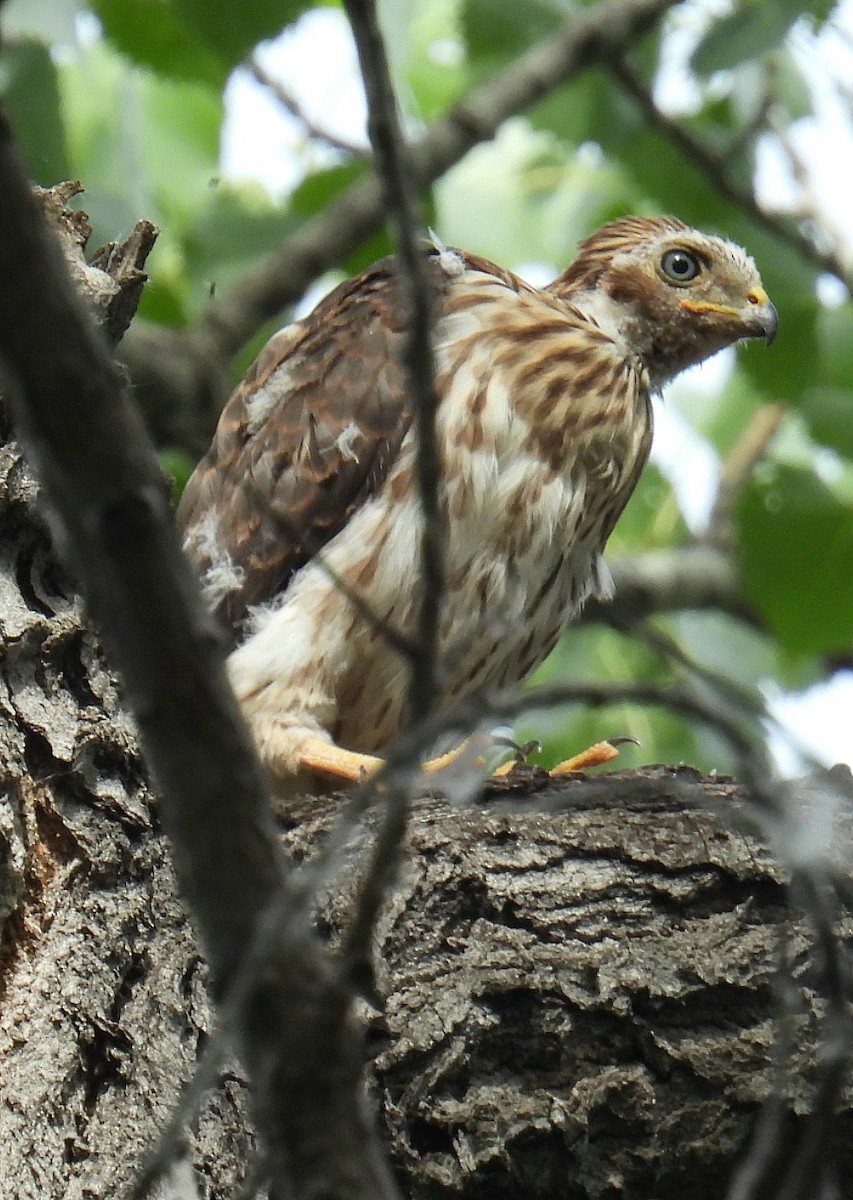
[(670, 295)]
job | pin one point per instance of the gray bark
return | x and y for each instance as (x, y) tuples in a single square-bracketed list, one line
[(103, 999), (583, 1004)]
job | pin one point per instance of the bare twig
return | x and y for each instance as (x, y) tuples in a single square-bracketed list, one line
[(416, 290), (288, 101), (810, 1171), (715, 166), (415, 287), (813, 1161)]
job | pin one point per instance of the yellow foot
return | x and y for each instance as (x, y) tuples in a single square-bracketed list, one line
[(325, 758), (593, 756)]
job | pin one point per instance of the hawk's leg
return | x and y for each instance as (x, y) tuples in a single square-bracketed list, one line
[(325, 758), (593, 756), (315, 754)]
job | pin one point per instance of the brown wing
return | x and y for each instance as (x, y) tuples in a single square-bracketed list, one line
[(307, 437)]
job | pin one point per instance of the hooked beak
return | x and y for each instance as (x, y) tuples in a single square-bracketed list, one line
[(764, 319), (759, 318)]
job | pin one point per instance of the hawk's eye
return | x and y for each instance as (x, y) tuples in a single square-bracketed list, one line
[(680, 265)]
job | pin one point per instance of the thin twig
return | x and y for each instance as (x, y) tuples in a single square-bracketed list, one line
[(171, 1138), (377, 880), (416, 290), (813, 1159), (715, 165), (767, 1138), (288, 101), (415, 287)]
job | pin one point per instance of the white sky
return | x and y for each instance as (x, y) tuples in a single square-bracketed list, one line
[(317, 62)]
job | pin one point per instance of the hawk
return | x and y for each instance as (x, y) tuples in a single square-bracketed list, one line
[(307, 498)]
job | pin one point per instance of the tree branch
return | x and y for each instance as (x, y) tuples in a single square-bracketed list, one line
[(715, 167), (688, 577), (110, 516), (593, 36), (399, 203)]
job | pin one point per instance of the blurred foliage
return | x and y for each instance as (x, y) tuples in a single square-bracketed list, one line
[(128, 96)]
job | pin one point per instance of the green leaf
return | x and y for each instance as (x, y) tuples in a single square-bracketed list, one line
[(229, 32), (751, 30), (320, 188), (154, 34), (435, 69), (784, 370), (146, 146), (30, 92), (177, 139), (720, 418), (497, 31), (572, 112), (48, 21), (748, 32), (828, 412), (652, 518), (178, 465), (789, 87), (589, 652), (193, 39), (835, 335), (796, 558), (235, 228), (163, 300), (739, 652)]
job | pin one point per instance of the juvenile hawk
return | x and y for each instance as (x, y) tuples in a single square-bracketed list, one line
[(544, 425)]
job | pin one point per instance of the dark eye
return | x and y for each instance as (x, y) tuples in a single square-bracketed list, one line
[(680, 265)]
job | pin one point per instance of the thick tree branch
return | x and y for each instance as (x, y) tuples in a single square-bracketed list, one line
[(110, 515), (111, 518), (581, 1005)]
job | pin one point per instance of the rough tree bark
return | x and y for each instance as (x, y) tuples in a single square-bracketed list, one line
[(575, 1003)]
